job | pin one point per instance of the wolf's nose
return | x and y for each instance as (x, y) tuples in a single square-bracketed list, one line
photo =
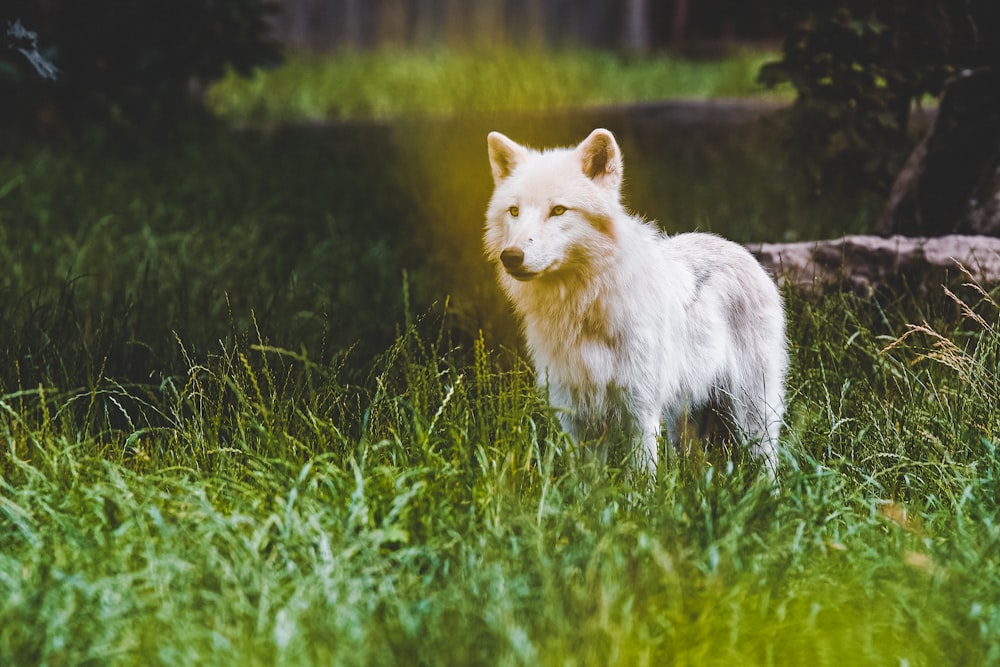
[(512, 258)]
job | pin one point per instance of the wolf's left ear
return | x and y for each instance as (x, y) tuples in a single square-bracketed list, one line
[(601, 159), (504, 155)]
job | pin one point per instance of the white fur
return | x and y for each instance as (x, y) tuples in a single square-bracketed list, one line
[(628, 327)]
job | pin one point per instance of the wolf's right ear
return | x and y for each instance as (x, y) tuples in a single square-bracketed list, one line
[(504, 155)]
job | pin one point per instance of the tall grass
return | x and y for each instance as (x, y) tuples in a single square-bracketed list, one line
[(261, 510), (240, 423), (391, 84)]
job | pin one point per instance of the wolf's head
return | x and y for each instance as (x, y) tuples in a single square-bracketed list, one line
[(552, 212)]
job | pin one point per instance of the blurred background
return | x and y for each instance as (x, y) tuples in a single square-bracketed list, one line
[(634, 26)]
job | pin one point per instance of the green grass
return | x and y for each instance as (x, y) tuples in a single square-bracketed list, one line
[(260, 511), (241, 423), (391, 84)]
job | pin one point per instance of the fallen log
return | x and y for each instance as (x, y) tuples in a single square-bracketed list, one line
[(867, 265)]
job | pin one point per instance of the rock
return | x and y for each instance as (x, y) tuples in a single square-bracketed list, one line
[(870, 264)]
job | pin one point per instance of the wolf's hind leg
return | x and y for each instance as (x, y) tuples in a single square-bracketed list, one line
[(758, 420)]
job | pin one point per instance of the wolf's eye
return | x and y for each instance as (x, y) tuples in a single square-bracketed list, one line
[(557, 210), (514, 211)]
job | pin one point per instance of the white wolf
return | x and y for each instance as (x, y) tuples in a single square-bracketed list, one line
[(625, 326)]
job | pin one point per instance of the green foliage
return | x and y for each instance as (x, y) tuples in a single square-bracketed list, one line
[(393, 84), (127, 60), (858, 66)]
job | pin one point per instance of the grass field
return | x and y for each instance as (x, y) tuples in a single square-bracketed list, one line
[(389, 84), (242, 422)]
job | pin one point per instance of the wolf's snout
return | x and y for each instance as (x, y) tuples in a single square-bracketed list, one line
[(512, 258)]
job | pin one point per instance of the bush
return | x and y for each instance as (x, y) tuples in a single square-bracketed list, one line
[(126, 60), (858, 67)]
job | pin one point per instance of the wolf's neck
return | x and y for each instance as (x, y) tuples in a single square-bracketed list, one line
[(575, 305)]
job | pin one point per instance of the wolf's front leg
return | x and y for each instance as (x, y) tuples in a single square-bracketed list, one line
[(648, 453), (765, 450), (582, 448)]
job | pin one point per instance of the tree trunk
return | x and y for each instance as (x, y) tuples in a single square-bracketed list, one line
[(455, 22), (488, 22), (391, 22), (353, 29), (534, 23), (951, 182), (636, 36), (426, 22), (678, 22)]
